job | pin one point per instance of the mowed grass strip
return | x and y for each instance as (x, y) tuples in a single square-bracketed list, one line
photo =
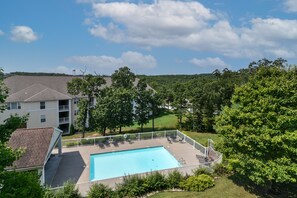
[(224, 188)]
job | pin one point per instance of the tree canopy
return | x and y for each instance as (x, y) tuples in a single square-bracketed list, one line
[(90, 87), (259, 129)]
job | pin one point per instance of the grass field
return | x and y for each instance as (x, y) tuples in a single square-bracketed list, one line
[(168, 121), (203, 137), (224, 188), (165, 122)]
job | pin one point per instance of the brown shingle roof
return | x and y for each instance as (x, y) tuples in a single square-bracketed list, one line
[(35, 143)]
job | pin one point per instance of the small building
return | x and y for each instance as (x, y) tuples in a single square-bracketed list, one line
[(37, 145)]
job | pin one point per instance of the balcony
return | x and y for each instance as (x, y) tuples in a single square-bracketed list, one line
[(64, 120), (63, 107)]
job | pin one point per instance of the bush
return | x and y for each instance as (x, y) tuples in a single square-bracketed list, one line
[(221, 170), (132, 186), (200, 171), (173, 179), (100, 191), (20, 184), (154, 182), (87, 142), (68, 191), (71, 144), (197, 183)]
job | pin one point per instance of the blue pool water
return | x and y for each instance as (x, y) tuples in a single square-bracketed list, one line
[(120, 163)]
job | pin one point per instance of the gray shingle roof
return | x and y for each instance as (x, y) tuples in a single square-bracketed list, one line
[(42, 88), (35, 143)]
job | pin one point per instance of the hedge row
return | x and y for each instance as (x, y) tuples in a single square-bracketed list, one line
[(136, 186)]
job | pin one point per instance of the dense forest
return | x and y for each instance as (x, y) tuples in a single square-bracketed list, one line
[(197, 99)]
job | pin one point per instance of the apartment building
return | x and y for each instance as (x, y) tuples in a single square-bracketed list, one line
[(44, 98)]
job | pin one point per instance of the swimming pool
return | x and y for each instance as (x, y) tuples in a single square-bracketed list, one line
[(128, 162)]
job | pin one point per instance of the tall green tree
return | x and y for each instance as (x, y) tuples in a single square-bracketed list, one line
[(123, 103), (180, 101), (3, 92), (104, 114), (259, 129), (142, 100), (88, 86), (155, 102), (123, 78), (82, 115), (122, 88)]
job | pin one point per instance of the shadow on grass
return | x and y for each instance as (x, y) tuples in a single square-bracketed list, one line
[(280, 191)]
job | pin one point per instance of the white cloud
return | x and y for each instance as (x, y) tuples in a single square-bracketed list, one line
[(23, 34), (1, 33), (291, 5), (211, 63), (64, 70), (107, 64), (190, 25)]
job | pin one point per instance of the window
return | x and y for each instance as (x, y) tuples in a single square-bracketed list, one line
[(76, 112), (13, 105), (76, 100), (42, 105), (42, 118)]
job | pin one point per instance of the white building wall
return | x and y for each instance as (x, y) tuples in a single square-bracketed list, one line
[(34, 111)]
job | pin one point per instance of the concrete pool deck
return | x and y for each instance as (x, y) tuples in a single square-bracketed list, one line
[(75, 161)]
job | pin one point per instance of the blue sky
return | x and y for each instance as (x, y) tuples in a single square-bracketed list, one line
[(151, 37)]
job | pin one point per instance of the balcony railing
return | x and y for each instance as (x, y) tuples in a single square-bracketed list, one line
[(63, 107), (64, 120)]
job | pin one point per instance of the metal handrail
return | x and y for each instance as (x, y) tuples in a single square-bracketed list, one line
[(63, 107), (64, 120)]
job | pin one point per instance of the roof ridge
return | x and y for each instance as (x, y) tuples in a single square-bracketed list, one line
[(47, 88), (27, 88), (36, 94)]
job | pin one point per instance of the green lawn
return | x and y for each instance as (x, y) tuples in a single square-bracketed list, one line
[(224, 188), (203, 137), (168, 121)]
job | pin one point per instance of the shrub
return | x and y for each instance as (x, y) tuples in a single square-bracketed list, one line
[(100, 191), (49, 194), (173, 179), (221, 170), (87, 141), (200, 171), (71, 144), (154, 182), (68, 191), (197, 183), (132, 186)]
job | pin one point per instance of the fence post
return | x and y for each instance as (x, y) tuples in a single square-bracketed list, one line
[(138, 136), (165, 134), (152, 135)]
